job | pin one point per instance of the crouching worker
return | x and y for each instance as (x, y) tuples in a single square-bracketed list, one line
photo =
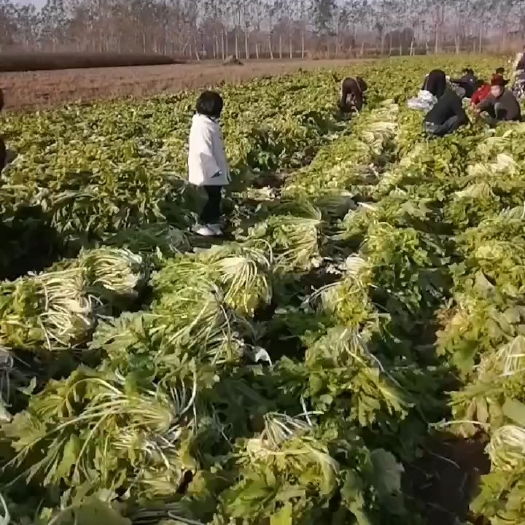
[(500, 105), (466, 83), (352, 94), (448, 114), (207, 164)]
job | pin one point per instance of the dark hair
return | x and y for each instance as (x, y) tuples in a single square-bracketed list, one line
[(500, 71), (468, 71), (436, 83), (210, 103), (3, 154), (498, 80)]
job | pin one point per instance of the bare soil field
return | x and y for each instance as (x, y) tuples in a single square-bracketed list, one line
[(44, 89), (10, 62)]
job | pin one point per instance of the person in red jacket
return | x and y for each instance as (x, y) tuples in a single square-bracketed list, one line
[(481, 93)]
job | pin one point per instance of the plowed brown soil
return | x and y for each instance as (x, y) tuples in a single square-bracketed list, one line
[(43, 89)]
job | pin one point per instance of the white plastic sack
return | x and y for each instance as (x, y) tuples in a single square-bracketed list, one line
[(424, 101)]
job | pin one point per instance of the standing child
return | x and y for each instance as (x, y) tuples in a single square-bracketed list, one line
[(207, 164)]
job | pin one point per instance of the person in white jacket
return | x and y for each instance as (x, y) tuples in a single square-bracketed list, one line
[(207, 164)]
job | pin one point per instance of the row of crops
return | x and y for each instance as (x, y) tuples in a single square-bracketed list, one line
[(369, 300)]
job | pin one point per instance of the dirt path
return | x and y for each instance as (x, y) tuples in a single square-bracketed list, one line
[(43, 89)]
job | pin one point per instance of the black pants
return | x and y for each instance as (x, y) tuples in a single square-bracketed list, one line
[(440, 130), (211, 213), (494, 114)]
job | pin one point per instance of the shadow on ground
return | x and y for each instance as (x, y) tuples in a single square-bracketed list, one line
[(445, 479)]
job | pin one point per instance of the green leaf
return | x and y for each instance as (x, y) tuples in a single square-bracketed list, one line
[(514, 410), (69, 458), (284, 516), (387, 472), (29, 389)]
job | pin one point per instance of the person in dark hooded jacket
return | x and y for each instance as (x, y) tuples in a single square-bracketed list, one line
[(448, 114), (467, 82), (352, 94)]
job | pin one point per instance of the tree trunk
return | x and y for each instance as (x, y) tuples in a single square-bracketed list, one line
[(270, 48), (246, 45), (236, 44), (439, 24), (302, 45), (280, 46), (481, 37)]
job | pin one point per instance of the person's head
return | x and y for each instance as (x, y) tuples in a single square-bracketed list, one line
[(436, 83), (500, 71), (210, 104), (497, 86), (468, 71), (362, 84)]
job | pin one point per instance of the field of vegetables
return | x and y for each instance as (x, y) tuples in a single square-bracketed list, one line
[(367, 303)]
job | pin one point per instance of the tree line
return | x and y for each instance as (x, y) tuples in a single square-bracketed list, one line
[(275, 29)]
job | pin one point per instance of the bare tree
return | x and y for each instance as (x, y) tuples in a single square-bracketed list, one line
[(201, 29)]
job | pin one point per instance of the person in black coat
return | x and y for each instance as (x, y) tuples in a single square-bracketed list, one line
[(448, 114), (352, 94)]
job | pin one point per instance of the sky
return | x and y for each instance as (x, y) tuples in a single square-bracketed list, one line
[(38, 3)]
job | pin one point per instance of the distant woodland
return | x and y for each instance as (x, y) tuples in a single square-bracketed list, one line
[(273, 29)]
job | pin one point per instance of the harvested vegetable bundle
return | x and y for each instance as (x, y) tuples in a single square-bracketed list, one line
[(103, 431), (284, 459), (50, 310), (341, 363), (203, 300), (507, 448), (244, 274), (112, 273), (59, 309), (292, 469), (294, 234), (241, 273), (347, 300), (157, 238)]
